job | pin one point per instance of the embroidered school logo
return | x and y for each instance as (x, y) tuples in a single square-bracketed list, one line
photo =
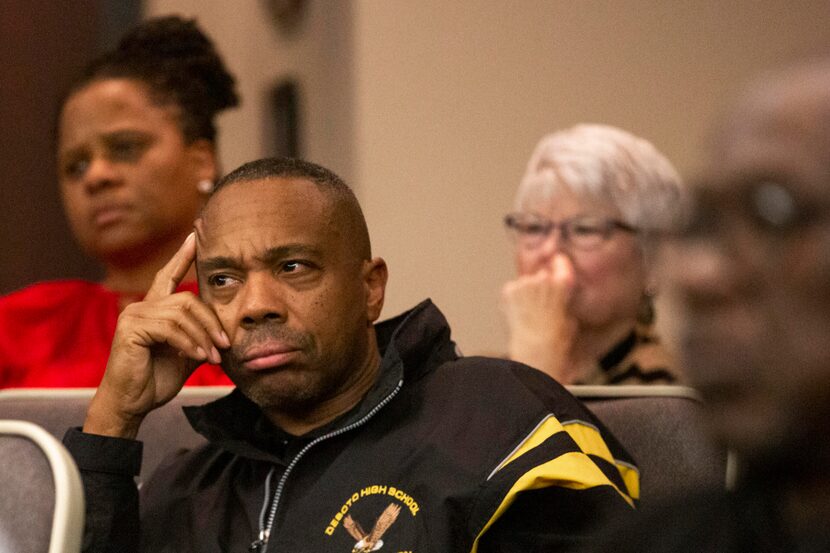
[(371, 541), (380, 506)]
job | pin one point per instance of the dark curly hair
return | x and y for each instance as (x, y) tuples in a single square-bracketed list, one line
[(178, 64)]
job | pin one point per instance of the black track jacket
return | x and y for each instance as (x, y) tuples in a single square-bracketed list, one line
[(444, 454)]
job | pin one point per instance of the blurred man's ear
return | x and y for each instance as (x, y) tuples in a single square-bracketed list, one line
[(375, 275)]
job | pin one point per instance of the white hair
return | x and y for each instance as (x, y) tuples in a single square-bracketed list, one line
[(608, 164)]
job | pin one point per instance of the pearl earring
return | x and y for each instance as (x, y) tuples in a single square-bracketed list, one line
[(205, 186)]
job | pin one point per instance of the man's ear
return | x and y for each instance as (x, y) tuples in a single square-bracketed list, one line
[(202, 154), (375, 275)]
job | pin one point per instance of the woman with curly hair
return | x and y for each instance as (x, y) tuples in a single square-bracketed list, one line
[(136, 160)]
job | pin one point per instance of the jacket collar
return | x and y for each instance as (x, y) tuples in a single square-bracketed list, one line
[(411, 344)]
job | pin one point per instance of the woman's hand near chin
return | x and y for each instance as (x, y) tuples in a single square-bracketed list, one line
[(542, 329)]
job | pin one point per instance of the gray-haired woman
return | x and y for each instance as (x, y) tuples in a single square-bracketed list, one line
[(589, 214)]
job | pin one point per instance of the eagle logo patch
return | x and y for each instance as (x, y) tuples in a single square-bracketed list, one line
[(371, 541), (391, 502)]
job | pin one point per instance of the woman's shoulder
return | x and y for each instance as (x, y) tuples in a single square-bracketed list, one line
[(58, 307), (52, 296), (647, 360), (56, 334)]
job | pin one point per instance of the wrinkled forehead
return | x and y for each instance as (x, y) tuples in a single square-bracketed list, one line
[(266, 213)]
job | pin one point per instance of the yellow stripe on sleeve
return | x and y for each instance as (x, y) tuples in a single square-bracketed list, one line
[(573, 470), (587, 438), (544, 430), (590, 441)]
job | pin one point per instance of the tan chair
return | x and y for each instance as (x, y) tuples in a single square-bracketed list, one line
[(164, 431), (662, 428), (41, 496)]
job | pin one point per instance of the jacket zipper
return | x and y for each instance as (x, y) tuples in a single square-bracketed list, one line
[(261, 544)]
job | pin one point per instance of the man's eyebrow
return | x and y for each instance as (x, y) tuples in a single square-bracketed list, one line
[(218, 262), (272, 255), (268, 257)]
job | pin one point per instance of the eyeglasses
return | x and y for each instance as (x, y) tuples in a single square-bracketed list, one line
[(765, 209), (529, 230)]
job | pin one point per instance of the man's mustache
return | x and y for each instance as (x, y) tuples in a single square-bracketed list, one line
[(268, 334)]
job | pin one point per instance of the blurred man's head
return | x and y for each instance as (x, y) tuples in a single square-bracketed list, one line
[(753, 271)]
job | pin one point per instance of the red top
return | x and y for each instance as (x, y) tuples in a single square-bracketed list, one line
[(58, 335)]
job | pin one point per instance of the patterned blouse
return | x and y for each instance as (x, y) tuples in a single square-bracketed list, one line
[(639, 358)]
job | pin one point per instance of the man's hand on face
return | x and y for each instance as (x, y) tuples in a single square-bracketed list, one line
[(540, 325), (158, 343)]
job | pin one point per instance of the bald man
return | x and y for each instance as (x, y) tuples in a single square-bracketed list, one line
[(342, 435)]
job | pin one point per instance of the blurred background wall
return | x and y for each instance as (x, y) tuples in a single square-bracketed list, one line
[(43, 46), (430, 109)]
